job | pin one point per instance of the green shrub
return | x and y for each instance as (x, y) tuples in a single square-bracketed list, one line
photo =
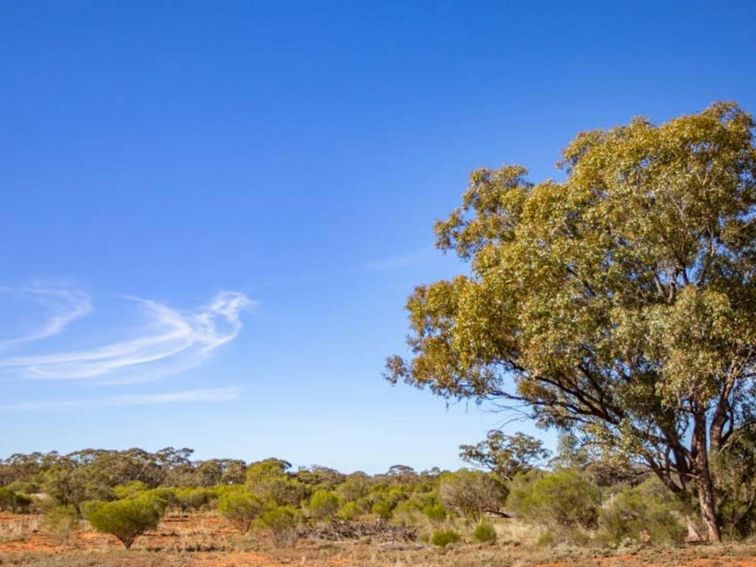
[(641, 515), (443, 538), (349, 512), (16, 502), (193, 499), (130, 489), (435, 512), (561, 499), (485, 533), (282, 523), (323, 504), (126, 519), (62, 521), (240, 508)]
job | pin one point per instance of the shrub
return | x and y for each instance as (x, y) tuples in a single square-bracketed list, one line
[(561, 499), (349, 511), (435, 512), (641, 516), (240, 508), (471, 493), (193, 499), (130, 489), (282, 522), (485, 533), (11, 501), (126, 519), (323, 504), (443, 538), (62, 521)]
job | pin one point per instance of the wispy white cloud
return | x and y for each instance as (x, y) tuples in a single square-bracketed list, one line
[(172, 339), (66, 305), (188, 396), (406, 260)]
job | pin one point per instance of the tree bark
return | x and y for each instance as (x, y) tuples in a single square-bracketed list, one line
[(706, 497)]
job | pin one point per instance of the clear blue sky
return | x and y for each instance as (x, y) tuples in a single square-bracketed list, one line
[(211, 213)]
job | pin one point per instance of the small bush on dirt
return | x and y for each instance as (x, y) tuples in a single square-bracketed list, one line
[(240, 508), (62, 521), (443, 538), (562, 499), (126, 519), (641, 515), (282, 522), (323, 504), (484, 533), (16, 502)]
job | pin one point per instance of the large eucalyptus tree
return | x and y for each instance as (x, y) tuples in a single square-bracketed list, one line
[(619, 302)]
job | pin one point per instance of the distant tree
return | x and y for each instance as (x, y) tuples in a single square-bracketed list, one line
[(619, 302), (505, 455)]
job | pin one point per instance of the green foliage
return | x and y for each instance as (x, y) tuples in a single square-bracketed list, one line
[(471, 493), (559, 499), (484, 533), (282, 523), (130, 489), (435, 512), (126, 519), (323, 504), (193, 499), (442, 538), (350, 511), (271, 482), (16, 502), (641, 515), (240, 508)]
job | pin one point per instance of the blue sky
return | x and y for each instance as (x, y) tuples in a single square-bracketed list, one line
[(211, 213)]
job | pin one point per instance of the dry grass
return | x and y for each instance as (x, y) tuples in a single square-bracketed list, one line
[(202, 540)]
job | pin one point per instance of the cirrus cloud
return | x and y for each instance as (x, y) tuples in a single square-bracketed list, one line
[(171, 339)]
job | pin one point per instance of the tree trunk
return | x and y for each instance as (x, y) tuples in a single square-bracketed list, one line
[(706, 498)]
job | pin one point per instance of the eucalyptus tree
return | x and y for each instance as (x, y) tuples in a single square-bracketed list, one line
[(618, 303)]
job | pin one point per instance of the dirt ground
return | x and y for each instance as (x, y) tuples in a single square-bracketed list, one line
[(203, 540)]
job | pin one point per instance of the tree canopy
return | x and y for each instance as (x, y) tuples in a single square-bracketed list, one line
[(618, 303)]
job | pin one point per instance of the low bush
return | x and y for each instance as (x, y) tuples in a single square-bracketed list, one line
[(240, 508), (11, 501), (562, 499), (282, 523), (323, 504), (349, 512), (442, 538), (484, 533), (641, 515), (126, 519), (193, 499)]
